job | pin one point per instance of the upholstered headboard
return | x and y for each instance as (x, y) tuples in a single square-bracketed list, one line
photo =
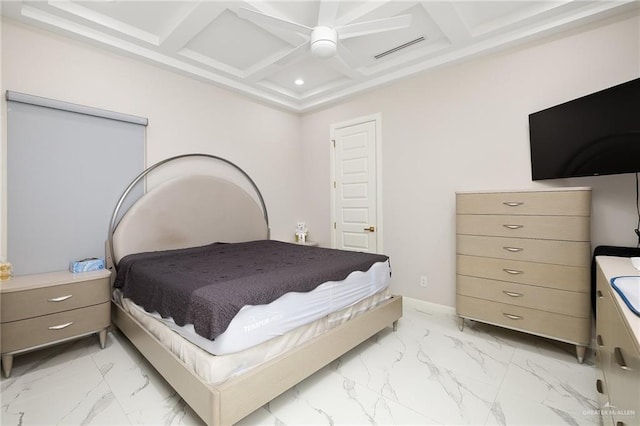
[(189, 211)]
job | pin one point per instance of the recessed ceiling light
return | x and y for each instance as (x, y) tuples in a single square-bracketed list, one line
[(299, 82)]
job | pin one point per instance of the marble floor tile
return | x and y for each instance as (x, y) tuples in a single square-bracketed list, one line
[(514, 409), (134, 382), (560, 383), (427, 372), (331, 398), (63, 387)]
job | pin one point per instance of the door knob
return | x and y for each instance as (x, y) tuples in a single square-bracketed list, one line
[(370, 229)]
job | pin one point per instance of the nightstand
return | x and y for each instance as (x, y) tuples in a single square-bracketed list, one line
[(44, 309), (307, 243)]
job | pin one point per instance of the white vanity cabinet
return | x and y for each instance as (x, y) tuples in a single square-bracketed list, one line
[(618, 346)]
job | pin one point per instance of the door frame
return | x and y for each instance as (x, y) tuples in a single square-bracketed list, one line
[(377, 119)]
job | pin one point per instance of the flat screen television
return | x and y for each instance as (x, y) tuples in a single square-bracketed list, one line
[(597, 134)]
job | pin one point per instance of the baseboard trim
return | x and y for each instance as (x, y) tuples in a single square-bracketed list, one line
[(430, 306)]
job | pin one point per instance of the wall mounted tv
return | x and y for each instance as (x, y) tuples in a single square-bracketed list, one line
[(597, 134)]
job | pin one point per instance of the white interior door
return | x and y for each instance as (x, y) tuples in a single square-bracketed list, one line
[(356, 219)]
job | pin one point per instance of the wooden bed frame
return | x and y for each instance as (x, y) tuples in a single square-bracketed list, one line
[(158, 222)]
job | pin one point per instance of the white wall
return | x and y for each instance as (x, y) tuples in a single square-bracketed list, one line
[(3, 165), (465, 127), (185, 115), (462, 127)]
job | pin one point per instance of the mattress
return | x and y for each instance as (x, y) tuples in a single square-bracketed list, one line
[(208, 285), (217, 369), (253, 325)]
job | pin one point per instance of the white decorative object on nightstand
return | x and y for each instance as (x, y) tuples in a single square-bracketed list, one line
[(43, 309), (301, 232)]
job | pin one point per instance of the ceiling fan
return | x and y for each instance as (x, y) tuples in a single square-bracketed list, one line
[(324, 39)]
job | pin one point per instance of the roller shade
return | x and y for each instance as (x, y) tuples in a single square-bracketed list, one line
[(67, 165)]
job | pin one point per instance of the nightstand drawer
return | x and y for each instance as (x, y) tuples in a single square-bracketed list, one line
[(562, 327), (543, 299), (572, 278), (33, 332), (546, 203), (47, 300), (567, 228), (573, 253)]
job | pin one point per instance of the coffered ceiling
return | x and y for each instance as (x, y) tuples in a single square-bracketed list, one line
[(268, 54)]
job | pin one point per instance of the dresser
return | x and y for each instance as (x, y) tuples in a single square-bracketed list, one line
[(617, 346), (43, 309), (523, 262)]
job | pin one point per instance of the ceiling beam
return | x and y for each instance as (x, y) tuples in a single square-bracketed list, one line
[(359, 12), (275, 63), (445, 15), (190, 25), (105, 21), (291, 37)]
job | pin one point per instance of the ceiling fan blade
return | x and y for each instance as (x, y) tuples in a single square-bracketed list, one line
[(327, 13), (264, 19), (293, 55), (347, 56), (275, 63), (344, 63), (372, 27)]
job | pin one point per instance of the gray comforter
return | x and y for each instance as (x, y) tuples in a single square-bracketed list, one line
[(206, 286)]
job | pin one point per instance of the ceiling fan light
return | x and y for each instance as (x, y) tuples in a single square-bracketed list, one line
[(324, 42), (323, 48)]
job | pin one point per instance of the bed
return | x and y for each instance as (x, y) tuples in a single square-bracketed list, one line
[(197, 211)]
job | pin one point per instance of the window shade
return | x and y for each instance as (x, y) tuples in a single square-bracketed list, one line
[(67, 165)]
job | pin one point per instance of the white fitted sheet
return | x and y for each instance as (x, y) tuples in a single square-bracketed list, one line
[(215, 369), (253, 325)]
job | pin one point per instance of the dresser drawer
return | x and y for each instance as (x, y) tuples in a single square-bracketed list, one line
[(561, 327), (32, 332), (569, 228), (46, 300), (546, 203), (605, 320), (573, 253), (622, 370), (623, 376), (572, 278), (543, 299), (603, 395)]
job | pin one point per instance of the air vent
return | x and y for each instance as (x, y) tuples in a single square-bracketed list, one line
[(397, 48)]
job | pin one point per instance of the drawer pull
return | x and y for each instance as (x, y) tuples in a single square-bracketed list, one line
[(599, 386), (61, 298), (599, 341), (599, 294), (61, 326), (513, 249), (513, 271), (513, 203), (512, 294), (513, 226), (511, 316), (617, 352)]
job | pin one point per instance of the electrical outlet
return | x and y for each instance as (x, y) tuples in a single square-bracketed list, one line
[(423, 280)]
